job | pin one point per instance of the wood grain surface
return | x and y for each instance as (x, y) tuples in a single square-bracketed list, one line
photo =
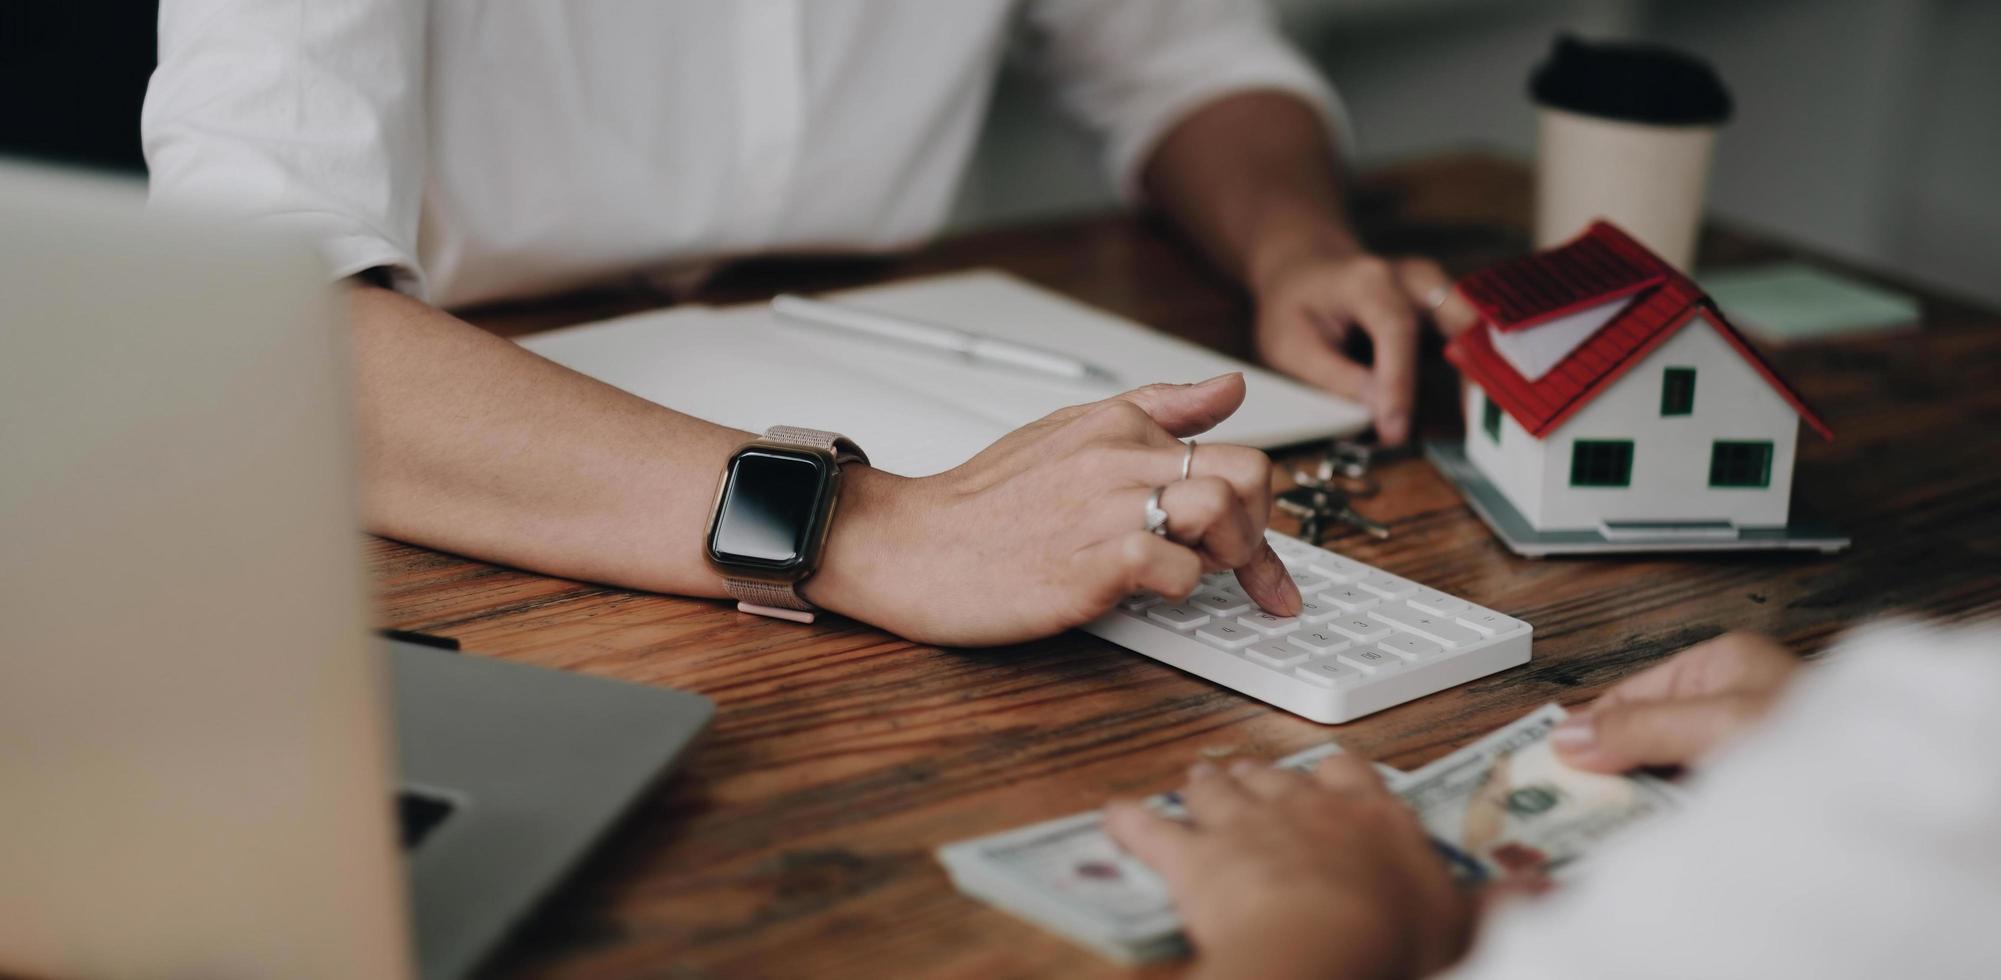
[(797, 840)]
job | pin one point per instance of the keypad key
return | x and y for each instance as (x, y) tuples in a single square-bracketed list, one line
[(1413, 647), (1358, 628), (1349, 598), (1370, 660), (1179, 616), (1318, 642), (1221, 603), (1328, 673), (1138, 601), (1228, 635), (1434, 601), (1291, 549), (1337, 568), (1431, 626), (1386, 585), (1275, 652), (1489, 622), (1314, 609), (1310, 582), (1267, 624)]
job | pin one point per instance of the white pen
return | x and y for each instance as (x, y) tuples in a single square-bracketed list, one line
[(915, 333)]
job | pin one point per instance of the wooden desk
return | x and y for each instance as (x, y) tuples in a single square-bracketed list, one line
[(798, 841)]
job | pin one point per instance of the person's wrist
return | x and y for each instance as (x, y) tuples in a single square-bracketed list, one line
[(1286, 241), (855, 562)]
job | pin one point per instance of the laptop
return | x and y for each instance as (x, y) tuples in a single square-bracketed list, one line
[(209, 766)]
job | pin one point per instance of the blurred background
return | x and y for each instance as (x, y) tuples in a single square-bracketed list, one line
[(1867, 129)]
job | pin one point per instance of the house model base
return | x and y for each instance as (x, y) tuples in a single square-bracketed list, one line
[(1514, 530)]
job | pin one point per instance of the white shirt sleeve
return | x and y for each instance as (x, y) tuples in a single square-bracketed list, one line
[(304, 115), (1133, 69), (1856, 835)]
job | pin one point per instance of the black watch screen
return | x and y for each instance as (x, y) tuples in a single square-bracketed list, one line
[(770, 506)]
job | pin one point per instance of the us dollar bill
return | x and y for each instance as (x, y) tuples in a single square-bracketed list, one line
[(1507, 807)]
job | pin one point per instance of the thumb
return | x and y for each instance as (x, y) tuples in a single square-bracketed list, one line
[(1619, 737), (1188, 410)]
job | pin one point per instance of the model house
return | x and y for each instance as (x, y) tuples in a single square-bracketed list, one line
[(1605, 392)]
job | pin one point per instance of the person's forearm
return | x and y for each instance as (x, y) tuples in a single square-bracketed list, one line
[(473, 445), (1253, 179)]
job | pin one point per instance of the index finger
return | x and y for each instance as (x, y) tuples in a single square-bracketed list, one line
[(1267, 582), (1392, 327)]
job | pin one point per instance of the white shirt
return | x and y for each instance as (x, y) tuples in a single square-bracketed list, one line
[(1856, 835), (492, 148)]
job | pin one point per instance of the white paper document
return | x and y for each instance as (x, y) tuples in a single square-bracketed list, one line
[(918, 412)]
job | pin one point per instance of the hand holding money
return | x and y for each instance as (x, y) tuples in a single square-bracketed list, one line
[(1283, 873), (1501, 808)]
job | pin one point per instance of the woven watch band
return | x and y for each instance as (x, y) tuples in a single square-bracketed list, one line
[(773, 598)]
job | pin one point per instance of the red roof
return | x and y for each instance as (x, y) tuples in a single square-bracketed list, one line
[(1601, 265)]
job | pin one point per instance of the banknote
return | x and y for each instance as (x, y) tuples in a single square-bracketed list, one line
[(1069, 876), (1509, 806), (1501, 807)]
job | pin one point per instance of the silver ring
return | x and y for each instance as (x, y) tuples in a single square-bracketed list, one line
[(1156, 518), (1188, 460), (1437, 297)]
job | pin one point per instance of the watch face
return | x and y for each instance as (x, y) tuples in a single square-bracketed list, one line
[(770, 502)]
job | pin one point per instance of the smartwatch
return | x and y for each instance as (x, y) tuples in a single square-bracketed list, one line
[(773, 507)]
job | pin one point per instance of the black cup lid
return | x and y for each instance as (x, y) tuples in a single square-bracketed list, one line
[(1641, 83)]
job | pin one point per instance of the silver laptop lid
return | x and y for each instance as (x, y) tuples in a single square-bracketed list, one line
[(193, 758)]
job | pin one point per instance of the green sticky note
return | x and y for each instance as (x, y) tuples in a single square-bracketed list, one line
[(1793, 301)]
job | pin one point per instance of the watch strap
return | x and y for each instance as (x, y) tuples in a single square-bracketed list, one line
[(844, 449), (781, 600)]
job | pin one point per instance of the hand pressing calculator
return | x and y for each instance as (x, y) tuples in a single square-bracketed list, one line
[(1364, 639)]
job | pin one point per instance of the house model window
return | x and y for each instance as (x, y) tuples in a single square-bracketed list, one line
[(1601, 463), (1678, 391), (1594, 349), (1740, 464)]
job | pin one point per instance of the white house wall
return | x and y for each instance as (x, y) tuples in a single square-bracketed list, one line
[(1514, 464), (1671, 455)]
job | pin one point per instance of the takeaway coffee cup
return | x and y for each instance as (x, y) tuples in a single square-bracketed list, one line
[(1626, 135)]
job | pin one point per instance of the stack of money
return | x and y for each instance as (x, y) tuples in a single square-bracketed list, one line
[(1500, 807), (1068, 876)]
